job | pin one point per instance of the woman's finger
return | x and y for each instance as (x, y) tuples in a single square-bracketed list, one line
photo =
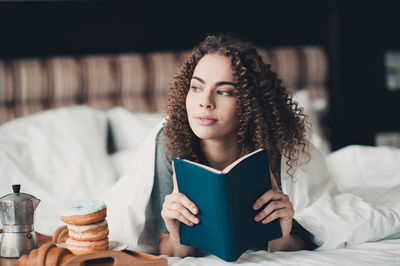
[(180, 198), (272, 206), (181, 209), (168, 214), (271, 194), (286, 197), (171, 202), (286, 212), (168, 200), (281, 213), (185, 201)]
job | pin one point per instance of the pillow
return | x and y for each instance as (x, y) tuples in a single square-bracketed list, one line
[(349, 197), (363, 170), (129, 129), (59, 156)]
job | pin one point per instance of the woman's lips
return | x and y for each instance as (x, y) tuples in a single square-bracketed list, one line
[(206, 120)]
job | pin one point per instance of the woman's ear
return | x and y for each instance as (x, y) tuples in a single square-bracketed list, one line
[(174, 178)]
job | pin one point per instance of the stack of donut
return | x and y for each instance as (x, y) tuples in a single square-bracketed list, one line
[(87, 227)]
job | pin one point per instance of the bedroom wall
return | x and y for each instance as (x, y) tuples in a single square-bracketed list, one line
[(72, 27), (354, 37), (362, 106)]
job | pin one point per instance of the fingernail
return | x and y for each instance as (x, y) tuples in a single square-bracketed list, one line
[(194, 210), (255, 206), (264, 221), (257, 218), (196, 220)]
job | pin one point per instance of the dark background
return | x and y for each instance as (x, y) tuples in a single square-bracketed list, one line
[(355, 36)]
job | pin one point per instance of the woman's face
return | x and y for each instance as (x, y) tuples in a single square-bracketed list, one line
[(210, 102)]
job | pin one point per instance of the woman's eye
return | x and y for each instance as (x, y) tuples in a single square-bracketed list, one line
[(194, 88), (225, 92)]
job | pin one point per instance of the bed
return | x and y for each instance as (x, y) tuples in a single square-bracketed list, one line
[(82, 127)]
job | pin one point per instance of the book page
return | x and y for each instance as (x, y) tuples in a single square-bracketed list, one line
[(229, 167), (209, 168), (226, 169)]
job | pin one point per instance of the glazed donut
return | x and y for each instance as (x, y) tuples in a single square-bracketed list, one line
[(86, 247), (84, 212), (89, 232)]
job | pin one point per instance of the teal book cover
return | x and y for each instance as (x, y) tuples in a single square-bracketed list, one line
[(225, 198)]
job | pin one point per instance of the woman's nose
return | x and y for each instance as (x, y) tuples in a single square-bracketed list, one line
[(207, 102), (206, 105)]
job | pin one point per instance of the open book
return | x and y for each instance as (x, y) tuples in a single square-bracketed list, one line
[(225, 198)]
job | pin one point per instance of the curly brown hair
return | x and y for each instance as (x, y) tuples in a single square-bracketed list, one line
[(268, 117)]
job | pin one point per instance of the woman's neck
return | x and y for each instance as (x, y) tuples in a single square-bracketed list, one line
[(220, 154)]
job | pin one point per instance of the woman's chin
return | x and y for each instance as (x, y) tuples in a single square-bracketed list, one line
[(206, 133)]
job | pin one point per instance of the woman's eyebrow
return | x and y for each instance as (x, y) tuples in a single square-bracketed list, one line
[(199, 79), (219, 83)]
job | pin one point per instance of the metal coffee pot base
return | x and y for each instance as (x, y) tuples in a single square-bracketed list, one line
[(14, 245)]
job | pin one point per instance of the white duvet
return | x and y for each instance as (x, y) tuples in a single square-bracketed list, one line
[(349, 199), (384, 252)]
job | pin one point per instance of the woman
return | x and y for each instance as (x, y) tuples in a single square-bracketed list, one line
[(225, 103)]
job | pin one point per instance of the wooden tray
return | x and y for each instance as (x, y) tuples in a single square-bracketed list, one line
[(104, 258), (115, 258)]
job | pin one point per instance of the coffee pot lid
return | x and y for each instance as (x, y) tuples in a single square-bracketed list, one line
[(17, 196)]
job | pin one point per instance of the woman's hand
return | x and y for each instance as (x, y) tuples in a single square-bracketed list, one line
[(178, 208), (278, 207)]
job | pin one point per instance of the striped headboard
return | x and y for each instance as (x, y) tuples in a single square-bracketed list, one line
[(136, 81)]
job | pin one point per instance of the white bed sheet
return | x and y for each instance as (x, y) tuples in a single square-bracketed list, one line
[(384, 252)]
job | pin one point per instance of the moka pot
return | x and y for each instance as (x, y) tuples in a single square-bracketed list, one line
[(16, 214)]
